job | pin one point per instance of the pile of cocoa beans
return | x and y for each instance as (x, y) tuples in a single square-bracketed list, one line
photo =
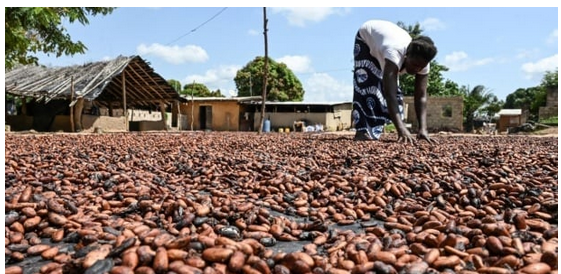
[(223, 202)]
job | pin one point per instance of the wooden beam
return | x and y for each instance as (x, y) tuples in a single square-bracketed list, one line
[(154, 101), (138, 87), (125, 101), (155, 93), (72, 129), (151, 78), (117, 85)]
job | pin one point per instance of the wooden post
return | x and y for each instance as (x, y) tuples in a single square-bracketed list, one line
[(78, 108), (174, 113), (163, 113), (24, 105), (72, 128), (125, 101), (192, 105), (265, 70)]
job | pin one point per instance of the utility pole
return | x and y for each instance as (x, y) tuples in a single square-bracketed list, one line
[(266, 68), (192, 105)]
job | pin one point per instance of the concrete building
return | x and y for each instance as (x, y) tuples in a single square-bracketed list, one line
[(331, 116), (443, 113), (551, 105), (216, 113), (244, 114)]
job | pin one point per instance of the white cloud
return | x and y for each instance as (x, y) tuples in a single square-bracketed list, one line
[(253, 32), (220, 78), (107, 58), (537, 69), (553, 37), (321, 87), (527, 53), (175, 54), (432, 24), (297, 63), (460, 61), (300, 16)]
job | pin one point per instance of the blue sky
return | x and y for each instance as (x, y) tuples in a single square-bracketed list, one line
[(501, 48)]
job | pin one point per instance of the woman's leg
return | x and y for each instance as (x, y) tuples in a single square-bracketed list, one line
[(369, 106)]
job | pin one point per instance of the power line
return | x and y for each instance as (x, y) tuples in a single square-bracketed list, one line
[(324, 71), (196, 28)]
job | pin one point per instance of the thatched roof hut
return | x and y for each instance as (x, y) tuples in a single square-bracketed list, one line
[(123, 79)]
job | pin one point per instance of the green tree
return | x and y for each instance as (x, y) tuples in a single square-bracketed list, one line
[(493, 106), (40, 29), (532, 98), (413, 30), (199, 90), (527, 99), (196, 89), (175, 84), (549, 80), (520, 98), (217, 93), (474, 101), (282, 84), (540, 100), (451, 88), (437, 85)]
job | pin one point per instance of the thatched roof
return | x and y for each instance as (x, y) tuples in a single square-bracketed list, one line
[(99, 81)]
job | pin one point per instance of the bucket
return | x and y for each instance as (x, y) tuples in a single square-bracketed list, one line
[(281, 129), (267, 125), (287, 130)]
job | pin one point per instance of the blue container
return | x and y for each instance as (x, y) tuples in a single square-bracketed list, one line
[(267, 126)]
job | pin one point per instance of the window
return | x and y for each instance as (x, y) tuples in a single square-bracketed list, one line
[(446, 111)]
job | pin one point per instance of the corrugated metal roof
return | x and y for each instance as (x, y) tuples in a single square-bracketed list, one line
[(510, 112), (256, 100), (298, 103), (238, 99)]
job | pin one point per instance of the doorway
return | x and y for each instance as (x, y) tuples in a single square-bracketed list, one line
[(205, 117)]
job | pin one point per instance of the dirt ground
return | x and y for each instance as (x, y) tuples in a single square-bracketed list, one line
[(552, 131)]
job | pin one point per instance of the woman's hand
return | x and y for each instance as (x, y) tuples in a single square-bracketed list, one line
[(404, 136), (424, 135)]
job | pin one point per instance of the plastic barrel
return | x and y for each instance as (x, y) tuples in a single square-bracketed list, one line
[(267, 126)]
